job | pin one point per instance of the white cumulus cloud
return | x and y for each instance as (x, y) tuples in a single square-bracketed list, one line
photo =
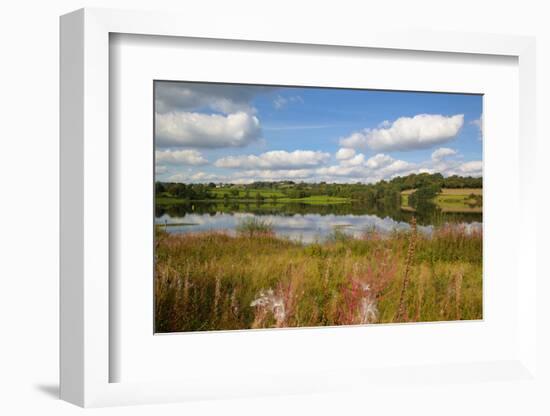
[(397, 167), (479, 124), (345, 153), (356, 160), (473, 168), (407, 133), (340, 170), (159, 170), (454, 167), (276, 159), (379, 161), (204, 176), (188, 96), (206, 130), (377, 167), (357, 140), (248, 176), (442, 153), (197, 177), (180, 157)]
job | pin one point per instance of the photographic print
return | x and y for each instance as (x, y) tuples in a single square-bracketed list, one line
[(286, 206)]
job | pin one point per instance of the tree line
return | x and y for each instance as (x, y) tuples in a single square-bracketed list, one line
[(386, 191)]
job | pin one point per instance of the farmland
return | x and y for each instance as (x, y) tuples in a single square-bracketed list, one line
[(252, 194), (453, 200)]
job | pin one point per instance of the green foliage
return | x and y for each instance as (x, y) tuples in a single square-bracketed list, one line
[(159, 188), (197, 191), (424, 195), (381, 192)]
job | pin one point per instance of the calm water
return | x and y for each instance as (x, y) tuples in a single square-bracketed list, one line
[(303, 222)]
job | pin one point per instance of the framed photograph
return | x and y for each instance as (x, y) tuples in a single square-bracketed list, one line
[(281, 206), (281, 213)]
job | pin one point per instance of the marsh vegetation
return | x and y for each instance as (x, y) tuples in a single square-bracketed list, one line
[(339, 258), (255, 279)]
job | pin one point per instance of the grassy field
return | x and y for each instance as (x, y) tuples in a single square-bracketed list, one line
[(317, 199), (241, 192), (214, 281), (462, 191), (451, 200), (280, 198), (166, 200)]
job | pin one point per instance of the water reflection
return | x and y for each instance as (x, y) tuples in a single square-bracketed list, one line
[(305, 222)]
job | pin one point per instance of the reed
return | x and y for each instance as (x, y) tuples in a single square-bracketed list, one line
[(254, 226), (218, 281), (408, 263)]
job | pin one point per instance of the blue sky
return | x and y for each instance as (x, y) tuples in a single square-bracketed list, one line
[(239, 133)]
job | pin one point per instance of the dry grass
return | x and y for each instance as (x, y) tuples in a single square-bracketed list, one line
[(213, 281), (451, 191), (462, 191), (408, 262)]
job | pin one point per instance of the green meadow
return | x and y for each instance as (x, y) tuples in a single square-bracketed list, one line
[(453, 200)]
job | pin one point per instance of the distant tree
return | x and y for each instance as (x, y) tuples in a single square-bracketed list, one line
[(159, 187), (424, 194)]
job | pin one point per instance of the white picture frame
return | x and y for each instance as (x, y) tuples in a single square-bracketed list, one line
[(85, 211)]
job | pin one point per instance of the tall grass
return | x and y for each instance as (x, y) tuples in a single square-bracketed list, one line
[(214, 281), (254, 226), (410, 255)]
